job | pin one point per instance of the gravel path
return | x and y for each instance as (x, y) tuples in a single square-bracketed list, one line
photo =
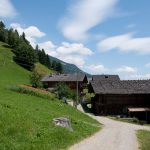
[(115, 135)]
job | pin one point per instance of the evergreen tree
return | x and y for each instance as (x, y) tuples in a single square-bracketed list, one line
[(43, 61), (37, 48), (2, 25), (10, 37), (42, 57), (16, 39), (3, 35), (23, 36), (53, 66), (25, 55), (48, 63), (59, 67), (13, 38)]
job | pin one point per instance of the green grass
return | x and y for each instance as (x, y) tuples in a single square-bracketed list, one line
[(26, 120), (43, 70), (128, 120), (144, 139)]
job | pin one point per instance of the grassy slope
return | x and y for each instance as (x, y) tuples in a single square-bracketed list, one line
[(26, 121), (144, 139), (43, 70)]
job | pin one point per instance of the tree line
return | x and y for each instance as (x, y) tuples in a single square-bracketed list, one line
[(45, 60), (25, 55)]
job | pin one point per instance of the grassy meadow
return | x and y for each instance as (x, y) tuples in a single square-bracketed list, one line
[(144, 139)]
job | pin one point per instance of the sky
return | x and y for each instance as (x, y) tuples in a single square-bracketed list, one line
[(99, 36)]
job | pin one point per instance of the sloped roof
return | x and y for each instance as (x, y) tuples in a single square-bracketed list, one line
[(105, 77), (65, 77), (121, 87)]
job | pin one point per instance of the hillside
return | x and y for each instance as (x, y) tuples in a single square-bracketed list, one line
[(67, 67), (26, 121), (41, 69)]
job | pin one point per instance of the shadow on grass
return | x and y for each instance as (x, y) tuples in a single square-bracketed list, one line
[(6, 46)]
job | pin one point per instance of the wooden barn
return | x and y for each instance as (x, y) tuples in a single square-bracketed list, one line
[(71, 80), (116, 97)]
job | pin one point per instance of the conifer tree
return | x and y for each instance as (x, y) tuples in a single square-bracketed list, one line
[(59, 67), (3, 35)]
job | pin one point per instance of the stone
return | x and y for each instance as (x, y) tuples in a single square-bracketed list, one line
[(63, 122)]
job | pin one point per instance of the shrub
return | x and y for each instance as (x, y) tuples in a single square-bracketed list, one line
[(35, 79), (45, 85), (87, 96), (63, 90), (135, 120)]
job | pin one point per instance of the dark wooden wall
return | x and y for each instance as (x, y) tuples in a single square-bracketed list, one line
[(117, 104), (71, 85)]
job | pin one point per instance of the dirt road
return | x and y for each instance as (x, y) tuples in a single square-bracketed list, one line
[(115, 135)]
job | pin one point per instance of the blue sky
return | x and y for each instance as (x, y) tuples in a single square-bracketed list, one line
[(99, 36)]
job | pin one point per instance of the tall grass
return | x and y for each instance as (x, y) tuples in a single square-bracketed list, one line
[(31, 92)]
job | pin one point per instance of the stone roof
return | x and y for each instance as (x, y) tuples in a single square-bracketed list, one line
[(65, 78), (105, 77), (120, 87)]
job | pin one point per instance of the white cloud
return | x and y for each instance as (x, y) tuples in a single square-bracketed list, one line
[(17, 27), (147, 65), (97, 69), (126, 69), (7, 10), (31, 32), (84, 15), (125, 43), (75, 48), (137, 77), (47, 46), (73, 59), (74, 53)]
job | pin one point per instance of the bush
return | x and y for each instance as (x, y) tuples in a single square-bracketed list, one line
[(87, 96), (35, 79), (45, 85), (135, 120), (63, 90)]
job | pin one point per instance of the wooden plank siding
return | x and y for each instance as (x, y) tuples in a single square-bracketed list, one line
[(110, 104)]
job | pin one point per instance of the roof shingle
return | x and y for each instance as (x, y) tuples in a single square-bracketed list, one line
[(65, 77), (105, 77), (121, 87)]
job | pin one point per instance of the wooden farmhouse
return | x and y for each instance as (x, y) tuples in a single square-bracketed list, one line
[(72, 80), (115, 97)]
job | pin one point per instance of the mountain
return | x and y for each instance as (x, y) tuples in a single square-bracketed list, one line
[(69, 68)]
